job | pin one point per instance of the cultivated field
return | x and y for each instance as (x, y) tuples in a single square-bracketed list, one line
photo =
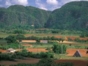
[(17, 61), (75, 62)]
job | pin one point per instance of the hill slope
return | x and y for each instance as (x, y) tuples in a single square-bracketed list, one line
[(73, 15), (18, 16)]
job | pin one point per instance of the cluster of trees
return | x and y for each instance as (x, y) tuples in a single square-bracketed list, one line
[(79, 40), (84, 34), (19, 32), (60, 49), (7, 56), (44, 38), (24, 53), (13, 39)]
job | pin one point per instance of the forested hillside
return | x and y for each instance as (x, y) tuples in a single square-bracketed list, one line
[(73, 16), (18, 16)]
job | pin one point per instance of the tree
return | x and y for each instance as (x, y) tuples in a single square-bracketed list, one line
[(20, 37), (11, 39), (19, 31), (38, 40), (56, 48), (45, 62), (59, 49)]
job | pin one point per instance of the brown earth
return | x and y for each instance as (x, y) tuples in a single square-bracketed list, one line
[(2, 51), (71, 52), (30, 41), (27, 45), (26, 60), (37, 50), (74, 37), (75, 62)]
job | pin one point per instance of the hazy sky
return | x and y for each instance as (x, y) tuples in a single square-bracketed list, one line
[(43, 4)]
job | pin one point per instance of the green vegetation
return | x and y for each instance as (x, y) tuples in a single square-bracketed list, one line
[(11, 39), (84, 34), (60, 49), (71, 16), (19, 32), (24, 23), (24, 53), (20, 17), (46, 62)]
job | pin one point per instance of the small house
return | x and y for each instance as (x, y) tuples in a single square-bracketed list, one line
[(11, 50), (77, 54), (44, 41)]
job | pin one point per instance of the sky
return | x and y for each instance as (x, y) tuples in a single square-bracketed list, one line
[(42, 4)]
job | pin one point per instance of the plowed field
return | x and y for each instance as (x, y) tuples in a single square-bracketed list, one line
[(75, 62)]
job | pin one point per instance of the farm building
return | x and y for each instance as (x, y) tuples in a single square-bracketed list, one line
[(44, 41), (77, 52), (11, 50)]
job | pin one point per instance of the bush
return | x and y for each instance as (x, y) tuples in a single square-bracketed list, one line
[(59, 49), (11, 39)]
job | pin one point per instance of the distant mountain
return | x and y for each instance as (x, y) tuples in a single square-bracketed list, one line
[(18, 16), (72, 16)]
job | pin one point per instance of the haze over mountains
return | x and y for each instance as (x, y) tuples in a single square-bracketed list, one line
[(71, 16)]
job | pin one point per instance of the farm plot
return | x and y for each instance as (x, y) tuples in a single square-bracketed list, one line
[(17, 61), (28, 41), (36, 50), (82, 52), (27, 45), (74, 62), (2, 51)]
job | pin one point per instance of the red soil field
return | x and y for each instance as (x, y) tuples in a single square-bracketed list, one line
[(75, 62), (58, 36), (71, 52), (70, 37), (74, 37), (86, 38), (2, 51)]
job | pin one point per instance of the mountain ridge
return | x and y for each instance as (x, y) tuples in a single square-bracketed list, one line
[(73, 16), (20, 16)]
